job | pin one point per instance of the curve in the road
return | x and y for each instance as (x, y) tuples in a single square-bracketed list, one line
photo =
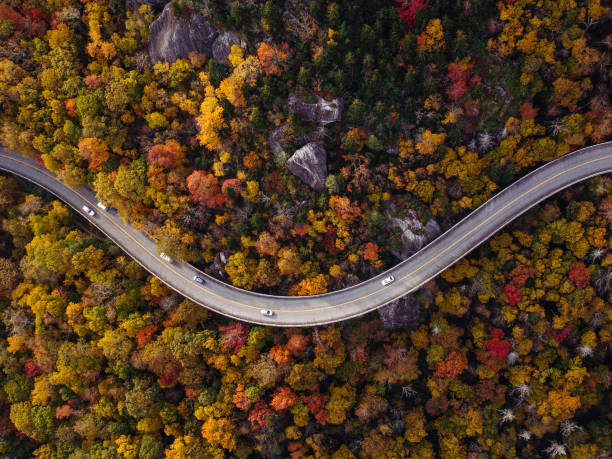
[(342, 304)]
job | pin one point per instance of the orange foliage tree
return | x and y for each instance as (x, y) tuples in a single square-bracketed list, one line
[(204, 188), (167, 155), (271, 58)]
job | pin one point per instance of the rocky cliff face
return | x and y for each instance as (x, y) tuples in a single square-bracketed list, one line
[(172, 38), (400, 313), (407, 232), (320, 112), (309, 163)]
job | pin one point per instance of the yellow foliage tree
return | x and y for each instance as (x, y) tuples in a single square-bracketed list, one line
[(220, 432), (210, 121), (432, 39), (430, 142)]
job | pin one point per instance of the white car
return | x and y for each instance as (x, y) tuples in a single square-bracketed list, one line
[(198, 279), (165, 257), (88, 211), (266, 312), (102, 206), (387, 280)]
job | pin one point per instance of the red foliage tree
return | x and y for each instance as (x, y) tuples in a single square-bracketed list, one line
[(329, 241), (513, 294), (37, 14), (462, 79), (234, 337), (580, 275), (204, 188), (316, 404), (497, 347), (408, 10), (31, 369), (258, 416), (8, 13), (457, 90), (559, 336)]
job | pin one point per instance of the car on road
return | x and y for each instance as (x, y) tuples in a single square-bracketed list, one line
[(198, 279), (102, 206), (165, 257), (387, 280), (266, 312), (88, 211)]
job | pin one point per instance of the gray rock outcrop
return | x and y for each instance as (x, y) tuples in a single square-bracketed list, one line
[(309, 163), (172, 38), (222, 46), (408, 234), (322, 111), (135, 4), (399, 313)]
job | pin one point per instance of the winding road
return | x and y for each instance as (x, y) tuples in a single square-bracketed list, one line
[(354, 301)]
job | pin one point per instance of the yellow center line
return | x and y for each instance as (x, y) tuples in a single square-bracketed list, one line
[(426, 263)]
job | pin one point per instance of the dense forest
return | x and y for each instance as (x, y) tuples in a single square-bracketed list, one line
[(313, 144), (298, 147), (506, 354)]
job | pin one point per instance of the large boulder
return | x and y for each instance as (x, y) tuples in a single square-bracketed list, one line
[(172, 38), (135, 4), (322, 111), (222, 46), (408, 231), (399, 313), (309, 163)]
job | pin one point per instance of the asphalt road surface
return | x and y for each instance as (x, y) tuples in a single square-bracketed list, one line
[(354, 301)]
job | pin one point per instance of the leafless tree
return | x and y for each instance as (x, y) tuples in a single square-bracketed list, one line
[(603, 280), (556, 449)]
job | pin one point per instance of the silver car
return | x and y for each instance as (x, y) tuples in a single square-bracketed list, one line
[(387, 280), (89, 212), (266, 312), (198, 279), (165, 257)]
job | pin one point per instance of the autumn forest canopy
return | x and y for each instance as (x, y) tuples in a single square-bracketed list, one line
[(295, 148)]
